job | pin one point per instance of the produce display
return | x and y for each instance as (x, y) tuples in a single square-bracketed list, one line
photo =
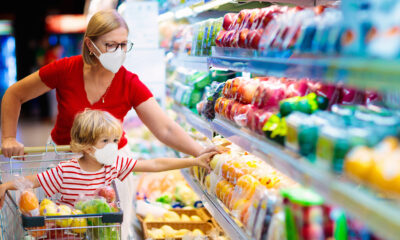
[(307, 216), (241, 182), (191, 88), (204, 36), (72, 227), (377, 167), (168, 190)]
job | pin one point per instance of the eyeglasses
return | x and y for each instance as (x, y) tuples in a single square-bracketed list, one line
[(112, 47)]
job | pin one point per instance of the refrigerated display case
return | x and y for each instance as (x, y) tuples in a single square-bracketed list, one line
[(307, 45)]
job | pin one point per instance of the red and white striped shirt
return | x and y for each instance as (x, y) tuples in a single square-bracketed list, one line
[(72, 182)]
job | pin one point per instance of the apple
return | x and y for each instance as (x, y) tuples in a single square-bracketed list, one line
[(229, 19), (328, 90), (262, 119), (222, 106), (247, 90), (242, 37), (252, 22), (217, 104), (240, 115), (350, 95), (227, 88), (235, 39), (259, 93), (228, 108), (251, 117), (241, 17), (235, 107), (371, 97), (273, 96), (108, 193), (219, 38), (253, 38), (319, 9), (298, 88), (228, 38), (236, 82)]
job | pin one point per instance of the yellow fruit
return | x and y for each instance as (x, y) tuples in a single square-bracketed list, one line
[(171, 217), (197, 232), (195, 218), (48, 210), (207, 182), (156, 233), (168, 231), (181, 232), (359, 162), (63, 210), (45, 202), (185, 218), (78, 225), (149, 218)]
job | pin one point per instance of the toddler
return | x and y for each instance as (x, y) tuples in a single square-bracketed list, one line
[(95, 134)]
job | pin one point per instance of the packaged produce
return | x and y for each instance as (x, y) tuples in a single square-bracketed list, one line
[(28, 202)]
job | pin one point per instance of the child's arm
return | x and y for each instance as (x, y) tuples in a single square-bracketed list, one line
[(165, 164), (11, 186)]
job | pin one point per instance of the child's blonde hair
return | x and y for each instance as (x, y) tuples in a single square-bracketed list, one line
[(90, 125)]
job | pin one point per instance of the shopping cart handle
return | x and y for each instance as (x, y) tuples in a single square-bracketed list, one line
[(60, 148)]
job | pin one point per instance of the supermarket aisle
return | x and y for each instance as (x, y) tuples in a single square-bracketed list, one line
[(33, 132)]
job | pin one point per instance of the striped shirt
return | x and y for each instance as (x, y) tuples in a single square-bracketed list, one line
[(71, 182)]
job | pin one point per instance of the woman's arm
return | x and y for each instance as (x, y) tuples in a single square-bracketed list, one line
[(166, 130), (165, 164), (12, 186), (20, 92)]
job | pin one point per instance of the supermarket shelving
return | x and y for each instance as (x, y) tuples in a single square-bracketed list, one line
[(382, 216), (355, 72), (191, 62), (224, 219), (352, 71), (193, 8)]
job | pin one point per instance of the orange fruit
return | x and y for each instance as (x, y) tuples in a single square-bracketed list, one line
[(35, 231), (28, 203)]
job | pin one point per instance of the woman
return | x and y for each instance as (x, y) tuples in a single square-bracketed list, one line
[(96, 80)]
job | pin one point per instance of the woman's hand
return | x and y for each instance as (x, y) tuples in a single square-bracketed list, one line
[(11, 147), (3, 189), (204, 160), (213, 148)]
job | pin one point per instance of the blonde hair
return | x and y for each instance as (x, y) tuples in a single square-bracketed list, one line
[(90, 125), (101, 23)]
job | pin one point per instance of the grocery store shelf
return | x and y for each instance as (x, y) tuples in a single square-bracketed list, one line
[(382, 216), (362, 73), (194, 120), (191, 62), (303, 3), (192, 8), (215, 208)]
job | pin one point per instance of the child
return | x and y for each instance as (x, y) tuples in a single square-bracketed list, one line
[(95, 134)]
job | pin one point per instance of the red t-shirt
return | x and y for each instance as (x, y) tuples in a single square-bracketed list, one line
[(66, 76)]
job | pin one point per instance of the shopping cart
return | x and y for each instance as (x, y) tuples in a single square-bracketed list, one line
[(15, 225)]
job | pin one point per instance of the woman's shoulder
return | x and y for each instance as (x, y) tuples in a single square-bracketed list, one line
[(128, 75)]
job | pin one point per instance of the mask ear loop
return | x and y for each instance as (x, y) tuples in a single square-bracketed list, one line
[(97, 49)]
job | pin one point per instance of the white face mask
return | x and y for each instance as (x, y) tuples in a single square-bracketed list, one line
[(111, 61), (106, 155)]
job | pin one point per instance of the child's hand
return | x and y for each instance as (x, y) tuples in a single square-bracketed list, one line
[(204, 160)]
